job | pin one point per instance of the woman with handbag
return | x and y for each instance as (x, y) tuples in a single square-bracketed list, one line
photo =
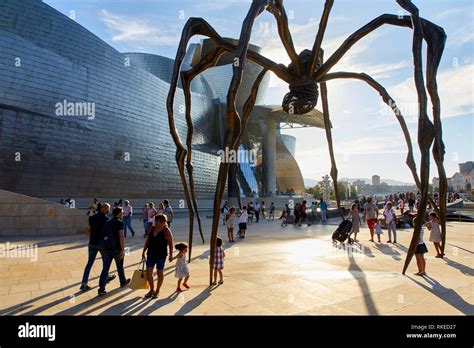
[(159, 240)]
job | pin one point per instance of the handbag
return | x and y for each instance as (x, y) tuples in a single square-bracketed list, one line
[(139, 280)]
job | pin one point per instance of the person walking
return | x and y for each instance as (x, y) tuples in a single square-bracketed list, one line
[(262, 209), (390, 222), (287, 210), (271, 213), (159, 239), (230, 220), (314, 212), (96, 225), (257, 212), (401, 205), (160, 209), (151, 218), (182, 270), (303, 214), (411, 204), (243, 222), (297, 213), (127, 218), (112, 244), (371, 213), (323, 207), (144, 218), (250, 211), (218, 265), (168, 212)]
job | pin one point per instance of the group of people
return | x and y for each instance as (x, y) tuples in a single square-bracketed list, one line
[(149, 213), (298, 214), (259, 211), (371, 216), (244, 216), (107, 237)]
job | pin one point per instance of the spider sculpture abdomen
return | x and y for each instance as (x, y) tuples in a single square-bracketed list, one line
[(302, 98)]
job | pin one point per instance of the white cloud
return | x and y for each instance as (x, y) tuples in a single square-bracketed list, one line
[(455, 89), (453, 12), (358, 146), (138, 31), (462, 36)]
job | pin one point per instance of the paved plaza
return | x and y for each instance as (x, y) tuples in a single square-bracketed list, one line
[(274, 271)]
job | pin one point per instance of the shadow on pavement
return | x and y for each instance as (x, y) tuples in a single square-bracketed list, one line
[(446, 294)]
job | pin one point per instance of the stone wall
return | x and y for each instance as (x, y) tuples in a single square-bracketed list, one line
[(23, 215)]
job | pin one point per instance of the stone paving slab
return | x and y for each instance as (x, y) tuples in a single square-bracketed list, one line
[(274, 271)]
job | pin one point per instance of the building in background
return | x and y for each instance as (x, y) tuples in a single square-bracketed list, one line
[(80, 119), (460, 181), (375, 180), (466, 167)]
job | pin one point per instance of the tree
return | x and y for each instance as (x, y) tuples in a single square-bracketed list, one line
[(314, 191), (342, 191), (325, 186), (317, 192)]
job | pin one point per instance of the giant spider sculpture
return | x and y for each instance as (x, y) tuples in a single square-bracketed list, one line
[(307, 75)]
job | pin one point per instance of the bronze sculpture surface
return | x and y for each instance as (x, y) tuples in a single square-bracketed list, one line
[(307, 76)]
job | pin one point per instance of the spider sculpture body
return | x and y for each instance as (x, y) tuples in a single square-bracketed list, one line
[(307, 76)]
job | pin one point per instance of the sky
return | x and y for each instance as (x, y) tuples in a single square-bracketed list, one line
[(367, 139)]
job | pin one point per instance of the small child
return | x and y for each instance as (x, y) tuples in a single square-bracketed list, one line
[(378, 230), (420, 250), (182, 270), (218, 261), (230, 220), (435, 233)]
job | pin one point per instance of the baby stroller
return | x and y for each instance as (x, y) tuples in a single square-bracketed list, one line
[(343, 232), (287, 220)]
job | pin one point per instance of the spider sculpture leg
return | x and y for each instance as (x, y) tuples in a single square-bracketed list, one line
[(436, 40), (248, 108), (431, 33), (279, 13), (327, 127), (233, 118), (208, 61), (425, 127), (319, 37)]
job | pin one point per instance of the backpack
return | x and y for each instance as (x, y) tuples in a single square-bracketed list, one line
[(107, 238)]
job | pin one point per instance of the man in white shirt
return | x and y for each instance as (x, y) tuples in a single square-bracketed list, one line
[(257, 212), (127, 218), (390, 221), (243, 222)]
